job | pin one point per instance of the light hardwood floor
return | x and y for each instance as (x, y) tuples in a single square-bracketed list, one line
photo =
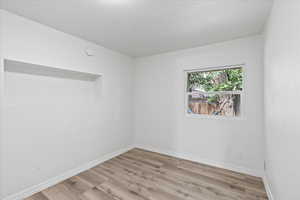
[(144, 175)]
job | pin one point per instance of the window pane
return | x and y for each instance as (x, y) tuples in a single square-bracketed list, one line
[(215, 80), (214, 104)]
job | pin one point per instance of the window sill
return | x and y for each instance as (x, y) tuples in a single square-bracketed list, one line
[(213, 117)]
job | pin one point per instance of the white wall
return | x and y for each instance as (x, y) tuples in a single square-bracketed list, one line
[(42, 138), (282, 96), (160, 122), (1, 94)]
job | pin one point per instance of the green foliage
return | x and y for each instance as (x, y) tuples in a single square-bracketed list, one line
[(220, 80), (213, 99)]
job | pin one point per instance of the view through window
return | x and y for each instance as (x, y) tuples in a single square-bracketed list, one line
[(215, 92)]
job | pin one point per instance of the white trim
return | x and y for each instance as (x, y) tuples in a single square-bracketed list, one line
[(1, 108), (211, 68), (216, 117), (53, 181), (268, 188), (216, 92), (228, 166), (205, 116)]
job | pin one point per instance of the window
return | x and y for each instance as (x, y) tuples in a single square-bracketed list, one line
[(214, 92)]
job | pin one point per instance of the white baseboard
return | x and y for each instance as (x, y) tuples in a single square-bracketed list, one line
[(268, 188), (195, 158), (37, 188)]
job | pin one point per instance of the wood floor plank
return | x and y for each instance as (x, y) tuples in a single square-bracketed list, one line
[(146, 183), (145, 175), (164, 179), (60, 192), (77, 185), (120, 191), (194, 179), (218, 177), (147, 189), (37, 196), (95, 194), (91, 178), (207, 167)]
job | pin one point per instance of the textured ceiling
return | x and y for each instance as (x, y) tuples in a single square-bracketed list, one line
[(145, 27)]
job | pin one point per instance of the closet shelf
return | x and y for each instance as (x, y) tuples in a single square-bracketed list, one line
[(35, 69)]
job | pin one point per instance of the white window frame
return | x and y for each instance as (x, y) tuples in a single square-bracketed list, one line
[(206, 69)]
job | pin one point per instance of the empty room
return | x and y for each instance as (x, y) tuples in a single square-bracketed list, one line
[(149, 99)]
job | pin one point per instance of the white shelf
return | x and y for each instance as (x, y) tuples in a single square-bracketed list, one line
[(35, 69)]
